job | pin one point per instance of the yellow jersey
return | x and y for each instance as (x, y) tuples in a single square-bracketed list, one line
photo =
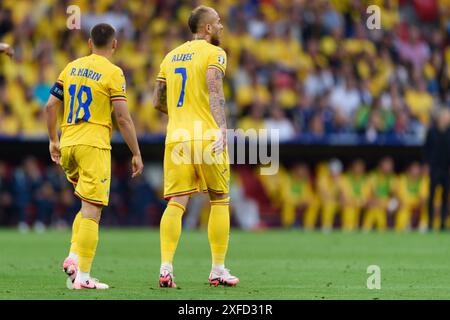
[(87, 86), (184, 72), (355, 189), (409, 187), (382, 185)]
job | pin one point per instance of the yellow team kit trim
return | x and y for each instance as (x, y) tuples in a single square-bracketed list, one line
[(176, 204), (181, 193), (91, 201), (215, 67)]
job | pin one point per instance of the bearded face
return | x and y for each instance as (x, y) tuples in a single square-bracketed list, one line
[(215, 39)]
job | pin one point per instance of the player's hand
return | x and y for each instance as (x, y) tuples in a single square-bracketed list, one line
[(220, 144), (55, 152), (9, 52), (137, 166), (6, 48)]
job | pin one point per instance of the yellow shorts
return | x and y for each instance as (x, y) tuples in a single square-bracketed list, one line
[(89, 170), (191, 167)]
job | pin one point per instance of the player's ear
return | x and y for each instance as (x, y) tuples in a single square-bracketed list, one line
[(90, 43), (114, 44)]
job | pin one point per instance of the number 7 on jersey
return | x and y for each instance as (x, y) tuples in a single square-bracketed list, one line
[(181, 71)]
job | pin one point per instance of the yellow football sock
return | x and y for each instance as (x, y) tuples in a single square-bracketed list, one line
[(87, 243), (288, 214), (403, 218), (170, 230), (219, 230), (311, 215), (329, 211), (75, 228), (350, 218), (375, 216)]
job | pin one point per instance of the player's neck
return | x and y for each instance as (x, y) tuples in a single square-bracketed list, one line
[(199, 36), (104, 53)]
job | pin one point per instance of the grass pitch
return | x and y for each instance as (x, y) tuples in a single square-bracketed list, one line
[(271, 265)]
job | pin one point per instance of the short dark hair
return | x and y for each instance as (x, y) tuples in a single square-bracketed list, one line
[(102, 34), (195, 18)]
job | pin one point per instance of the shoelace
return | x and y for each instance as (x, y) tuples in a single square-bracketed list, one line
[(167, 272), (94, 280), (225, 273)]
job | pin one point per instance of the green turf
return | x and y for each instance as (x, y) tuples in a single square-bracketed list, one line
[(272, 265)]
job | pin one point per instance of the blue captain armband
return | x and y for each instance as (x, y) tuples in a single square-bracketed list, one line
[(58, 91)]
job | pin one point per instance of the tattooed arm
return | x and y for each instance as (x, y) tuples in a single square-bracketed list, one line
[(217, 102), (160, 97)]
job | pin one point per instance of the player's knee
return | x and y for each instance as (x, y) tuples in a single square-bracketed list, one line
[(91, 211), (183, 200)]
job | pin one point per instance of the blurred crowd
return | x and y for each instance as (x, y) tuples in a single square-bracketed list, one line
[(33, 194), (308, 68), (325, 195), (329, 195)]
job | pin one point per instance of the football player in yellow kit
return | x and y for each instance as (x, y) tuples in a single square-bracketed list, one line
[(412, 192), (382, 184), (297, 191), (355, 194), (89, 89), (189, 89), (330, 192)]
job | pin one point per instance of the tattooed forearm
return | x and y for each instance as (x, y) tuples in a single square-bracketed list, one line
[(216, 97), (160, 96)]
